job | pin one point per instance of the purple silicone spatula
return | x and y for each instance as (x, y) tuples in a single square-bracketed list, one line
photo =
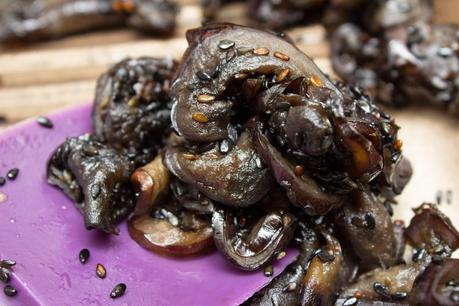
[(43, 232)]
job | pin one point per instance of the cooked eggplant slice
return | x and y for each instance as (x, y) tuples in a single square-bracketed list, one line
[(362, 220), (132, 106), (152, 184), (171, 230), (96, 178), (236, 178), (220, 59), (249, 240), (438, 285), (35, 20), (284, 289), (433, 231), (391, 285)]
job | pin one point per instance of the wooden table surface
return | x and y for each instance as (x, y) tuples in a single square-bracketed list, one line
[(53, 74)]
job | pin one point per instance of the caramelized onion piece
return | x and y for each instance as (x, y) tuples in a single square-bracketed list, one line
[(249, 241), (432, 230), (438, 285), (188, 235), (151, 182), (302, 191), (237, 178)]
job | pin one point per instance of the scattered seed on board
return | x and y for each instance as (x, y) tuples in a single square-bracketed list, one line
[(84, 256), (101, 271), (281, 56), (118, 291), (10, 291), (2, 181), (269, 271), (12, 174), (45, 122), (205, 98), (226, 44), (299, 170)]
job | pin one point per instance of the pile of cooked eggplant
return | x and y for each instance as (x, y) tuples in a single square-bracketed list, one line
[(246, 145)]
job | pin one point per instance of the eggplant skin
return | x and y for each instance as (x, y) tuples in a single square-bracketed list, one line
[(35, 20), (96, 178), (132, 107)]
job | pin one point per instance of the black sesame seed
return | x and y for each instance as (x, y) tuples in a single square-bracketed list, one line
[(101, 271), (244, 50), (398, 296), (269, 271), (445, 52), (84, 256), (451, 283), (370, 221), (95, 191), (324, 256), (12, 174), (205, 77), (381, 289), (7, 263), (45, 122), (351, 301), (118, 291), (4, 275), (438, 197), (10, 291), (454, 296), (449, 197), (419, 254), (226, 44), (2, 181)]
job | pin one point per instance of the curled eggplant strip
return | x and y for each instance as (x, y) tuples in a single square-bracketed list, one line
[(237, 178), (96, 178), (151, 182), (251, 246), (318, 284), (302, 191), (430, 229)]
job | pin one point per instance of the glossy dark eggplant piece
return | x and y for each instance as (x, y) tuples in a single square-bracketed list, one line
[(236, 178), (172, 230), (433, 231), (221, 60), (438, 285), (35, 20), (152, 184), (284, 289), (363, 219), (391, 285), (96, 178), (250, 239), (131, 112)]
